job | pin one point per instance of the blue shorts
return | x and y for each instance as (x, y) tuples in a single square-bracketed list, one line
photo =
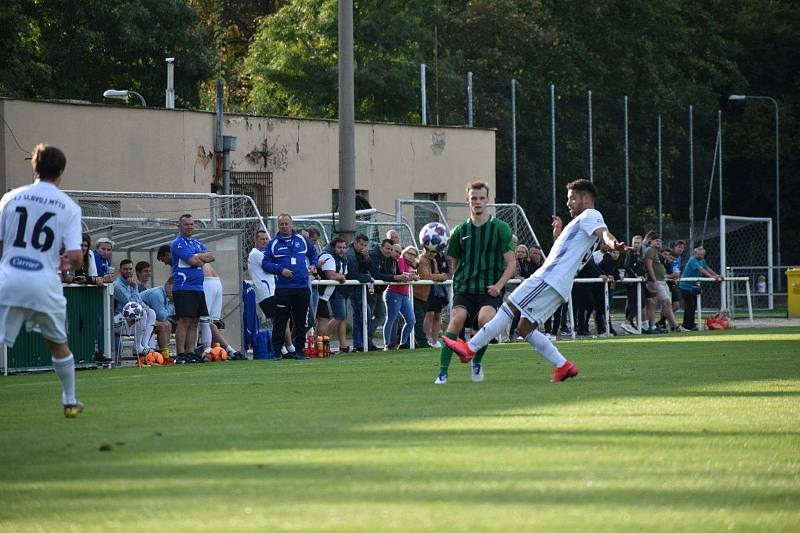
[(335, 308)]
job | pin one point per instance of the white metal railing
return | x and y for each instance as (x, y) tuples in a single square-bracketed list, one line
[(638, 281)]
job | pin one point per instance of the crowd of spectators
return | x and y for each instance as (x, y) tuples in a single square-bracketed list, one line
[(283, 268)]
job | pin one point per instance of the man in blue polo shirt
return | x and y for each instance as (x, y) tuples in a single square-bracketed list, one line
[(188, 257)]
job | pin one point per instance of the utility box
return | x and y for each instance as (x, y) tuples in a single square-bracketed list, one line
[(793, 292)]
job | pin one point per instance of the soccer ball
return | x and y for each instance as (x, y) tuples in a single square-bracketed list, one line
[(434, 236), (132, 312)]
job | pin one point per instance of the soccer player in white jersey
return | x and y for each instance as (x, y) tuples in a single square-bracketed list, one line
[(545, 290), (35, 222)]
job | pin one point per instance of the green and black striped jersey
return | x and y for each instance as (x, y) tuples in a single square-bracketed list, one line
[(479, 250)]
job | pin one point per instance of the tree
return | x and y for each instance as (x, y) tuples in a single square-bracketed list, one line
[(76, 49), (292, 64)]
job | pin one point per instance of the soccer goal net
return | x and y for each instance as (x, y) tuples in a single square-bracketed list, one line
[(742, 248), (417, 213)]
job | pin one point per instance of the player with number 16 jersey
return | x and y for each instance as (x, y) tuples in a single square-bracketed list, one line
[(35, 221)]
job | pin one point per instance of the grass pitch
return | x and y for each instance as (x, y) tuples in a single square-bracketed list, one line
[(683, 432)]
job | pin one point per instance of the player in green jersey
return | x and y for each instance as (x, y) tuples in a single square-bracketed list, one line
[(483, 261)]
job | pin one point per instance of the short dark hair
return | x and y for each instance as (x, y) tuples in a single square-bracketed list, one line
[(312, 232), (390, 242), (582, 186), (361, 237), (125, 262), (678, 243), (141, 265), (473, 185), (48, 162), (337, 240), (258, 231), (163, 249)]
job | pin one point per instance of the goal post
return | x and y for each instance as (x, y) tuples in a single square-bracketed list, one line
[(745, 242)]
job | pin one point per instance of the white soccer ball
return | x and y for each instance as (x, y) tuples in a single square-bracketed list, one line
[(434, 236), (132, 312)]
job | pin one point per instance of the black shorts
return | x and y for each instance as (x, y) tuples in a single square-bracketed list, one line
[(190, 304), (436, 304), (323, 310), (473, 304), (267, 305)]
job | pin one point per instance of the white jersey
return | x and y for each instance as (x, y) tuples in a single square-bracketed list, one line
[(263, 282), (571, 251), (327, 263), (35, 221)]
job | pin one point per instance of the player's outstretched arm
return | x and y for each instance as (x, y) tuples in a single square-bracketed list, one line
[(610, 240)]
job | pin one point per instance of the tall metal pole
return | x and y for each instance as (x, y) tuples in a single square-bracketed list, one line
[(691, 180), (423, 94), (347, 172), (719, 185), (513, 141), (627, 181), (591, 144), (469, 99), (553, 141), (660, 211)]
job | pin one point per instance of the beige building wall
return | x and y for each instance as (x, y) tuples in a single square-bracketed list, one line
[(142, 149)]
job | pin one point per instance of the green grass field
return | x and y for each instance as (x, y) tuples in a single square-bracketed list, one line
[(675, 433)]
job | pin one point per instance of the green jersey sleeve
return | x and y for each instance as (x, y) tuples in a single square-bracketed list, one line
[(454, 247), (506, 242)]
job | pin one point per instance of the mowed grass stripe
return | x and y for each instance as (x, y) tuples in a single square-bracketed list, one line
[(692, 432)]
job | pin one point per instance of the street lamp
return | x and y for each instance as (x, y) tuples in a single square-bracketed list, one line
[(123, 95), (738, 97)]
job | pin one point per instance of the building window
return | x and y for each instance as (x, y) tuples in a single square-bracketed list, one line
[(256, 185), (362, 200)]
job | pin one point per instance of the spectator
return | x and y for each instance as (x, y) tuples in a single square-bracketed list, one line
[(263, 282), (313, 235), (101, 257), (144, 273), (394, 236), (437, 300), (159, 299), (634, 268), (188, 256), (696, 267), (332, 309), (358, 269), (427, 269), (291, 257), (608, 272), (209, 331), (384, 268), (126, 290), (657, 284), (87, 272), (398, 302)]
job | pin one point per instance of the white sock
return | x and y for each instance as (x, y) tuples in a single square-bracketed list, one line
[(291, 348), (205, 333), (491, 329), (645, 324), (148, 329), (546, 348), (65, 370), (230, 349), (284, 351)]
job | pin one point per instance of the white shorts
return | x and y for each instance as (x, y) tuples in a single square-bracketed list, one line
[(536, 300), (212, 288), (662, 291), (52, 325)]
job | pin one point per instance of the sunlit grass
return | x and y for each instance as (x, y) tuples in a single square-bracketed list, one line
[(685, 432)]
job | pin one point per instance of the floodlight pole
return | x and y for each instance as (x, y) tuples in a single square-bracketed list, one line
[(513, 141), (738, 97), (591, 147), (347, 172)]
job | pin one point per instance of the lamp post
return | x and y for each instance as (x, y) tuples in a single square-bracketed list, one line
[(738, 97), (114, 94)]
